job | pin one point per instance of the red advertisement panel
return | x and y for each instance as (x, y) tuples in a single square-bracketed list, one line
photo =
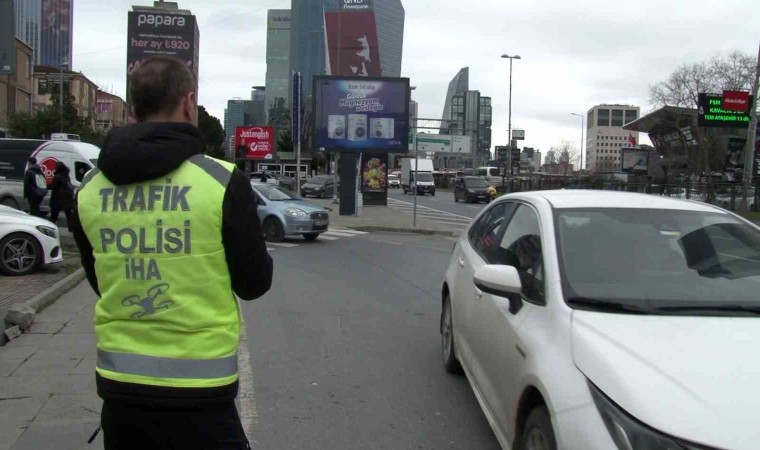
[(254, 142), (352, 44), (736, 101)]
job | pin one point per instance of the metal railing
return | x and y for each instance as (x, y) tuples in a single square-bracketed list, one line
[(727, 196)]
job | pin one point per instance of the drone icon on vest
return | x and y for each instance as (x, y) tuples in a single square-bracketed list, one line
[(148, 303)]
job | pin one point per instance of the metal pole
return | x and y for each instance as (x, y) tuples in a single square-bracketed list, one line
[(416, 166), (60, 99), (749, 157), (298, 137), (510, 108)]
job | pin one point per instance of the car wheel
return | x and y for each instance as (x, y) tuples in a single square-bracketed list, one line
[(537, 434), (450, 361), (311, 236), (20, 254), (273, 231), (10, 202), (456, 199)]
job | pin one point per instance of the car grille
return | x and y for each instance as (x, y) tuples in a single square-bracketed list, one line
[(319, 216)]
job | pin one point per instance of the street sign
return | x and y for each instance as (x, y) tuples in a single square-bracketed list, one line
[(736, 101), (443, 143), (712, 114), (518, 135)]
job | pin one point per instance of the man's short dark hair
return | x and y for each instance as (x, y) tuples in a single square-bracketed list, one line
[(158, 86), (32, 160)]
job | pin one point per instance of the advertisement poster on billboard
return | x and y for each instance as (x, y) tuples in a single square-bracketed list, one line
[(374, 169), (361, 113), (254, 142), (55, 34), (635, 160), (352, 43), (154, 33), (712, 114)]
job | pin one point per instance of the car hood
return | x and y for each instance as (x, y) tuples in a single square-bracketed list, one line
[(11, 215), (300, 204), (690, 377)]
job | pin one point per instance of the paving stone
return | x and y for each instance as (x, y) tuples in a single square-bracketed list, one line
[(19, 408), (47, 366), (8, 365)]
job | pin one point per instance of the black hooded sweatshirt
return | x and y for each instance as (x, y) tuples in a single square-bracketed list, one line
[(147, 151)]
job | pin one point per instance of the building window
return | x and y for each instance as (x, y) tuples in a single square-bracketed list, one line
[(617, 117), (603, 118), (631, 115)]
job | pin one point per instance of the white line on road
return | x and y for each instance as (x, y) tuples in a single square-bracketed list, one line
[(348, 230), (249, 415), (337, 233), (328, 238), (433, 209), (283, 244)]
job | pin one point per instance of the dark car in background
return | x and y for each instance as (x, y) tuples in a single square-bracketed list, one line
[(472, 190), (321, 186)]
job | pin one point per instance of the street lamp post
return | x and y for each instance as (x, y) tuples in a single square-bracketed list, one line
[(510, 110), (583, 126)]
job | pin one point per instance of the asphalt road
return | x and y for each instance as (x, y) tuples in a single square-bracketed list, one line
[(345, 351), (443, 201)]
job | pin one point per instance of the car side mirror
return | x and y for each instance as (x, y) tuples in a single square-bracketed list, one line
[(501, 281)]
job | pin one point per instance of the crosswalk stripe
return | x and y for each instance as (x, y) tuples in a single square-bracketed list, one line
[(446, 222), (347, 230), (283, 244), (328, 238), (337, 233), (270, 249)]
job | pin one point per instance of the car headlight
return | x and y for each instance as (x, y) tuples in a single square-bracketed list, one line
[(48, 231), (630, 434), (470, 191), (295, 212)]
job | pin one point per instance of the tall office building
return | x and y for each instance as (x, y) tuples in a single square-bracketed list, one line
[(277, 98), (390, 17), (458, 86), (241, 112), (47, 26), (606, 136), (466, 112)]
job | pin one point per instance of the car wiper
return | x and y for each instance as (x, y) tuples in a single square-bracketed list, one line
[(606, 305), (706, 309)]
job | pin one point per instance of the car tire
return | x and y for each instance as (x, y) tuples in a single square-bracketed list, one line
[(311, 236), (537, 433), (20, 254), (456, 199), (10, 202), (273, 231), (450, 361)]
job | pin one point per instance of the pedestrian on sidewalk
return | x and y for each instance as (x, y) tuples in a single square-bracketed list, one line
[(62, 197), (176, 236), (35, 187)]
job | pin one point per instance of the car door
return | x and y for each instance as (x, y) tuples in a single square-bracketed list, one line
[(497, 345), (261, 207), (482, 238)]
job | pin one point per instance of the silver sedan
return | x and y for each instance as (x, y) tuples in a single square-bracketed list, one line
[(284, 214)]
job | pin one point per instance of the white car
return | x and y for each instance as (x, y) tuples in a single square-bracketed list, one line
[(27, 243), (601, 320)]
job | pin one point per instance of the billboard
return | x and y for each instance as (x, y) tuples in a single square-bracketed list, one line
[(712, 114), (443, 143), (56, 24), (158, 32), (518, 135), (634, 160), (361, 113), (352, 45), (736, 101), (7, 38), (254, 142)]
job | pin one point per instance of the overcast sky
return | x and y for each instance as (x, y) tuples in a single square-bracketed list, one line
[(575, 53)]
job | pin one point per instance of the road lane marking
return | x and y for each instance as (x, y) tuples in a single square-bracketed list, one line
[(283, 244), (249, 415), (433, 209), (328, 238), (338, 233)]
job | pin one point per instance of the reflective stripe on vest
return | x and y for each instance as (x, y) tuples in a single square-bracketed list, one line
[(156, 367), (213, 168)]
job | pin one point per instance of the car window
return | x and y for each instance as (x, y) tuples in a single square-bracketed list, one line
[(521, 247), (80, 170), (484, 235)]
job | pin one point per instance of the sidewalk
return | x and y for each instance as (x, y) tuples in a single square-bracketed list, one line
[(47, 379), (379, 218)]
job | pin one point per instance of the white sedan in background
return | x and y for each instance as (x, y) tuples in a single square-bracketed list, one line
[(601, 320), (27, 243)]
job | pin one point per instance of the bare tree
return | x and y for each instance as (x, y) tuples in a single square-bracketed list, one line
[(568, 154), (731, 72)]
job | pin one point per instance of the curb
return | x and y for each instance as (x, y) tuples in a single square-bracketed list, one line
[(47, 297), (405, 230)]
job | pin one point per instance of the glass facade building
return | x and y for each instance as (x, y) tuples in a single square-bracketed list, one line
[(277, 104), (390, 17)]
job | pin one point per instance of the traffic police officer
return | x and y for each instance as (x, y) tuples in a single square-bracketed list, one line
[(168, 238)]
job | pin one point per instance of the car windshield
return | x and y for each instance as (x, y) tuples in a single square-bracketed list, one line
[(274, 194), (320, 179), (424, 176), (650, 260), (392, 177), (475, 183)]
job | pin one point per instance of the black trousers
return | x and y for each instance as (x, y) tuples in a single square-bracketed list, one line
[(55, 212), (144, 426), (34, 207)]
